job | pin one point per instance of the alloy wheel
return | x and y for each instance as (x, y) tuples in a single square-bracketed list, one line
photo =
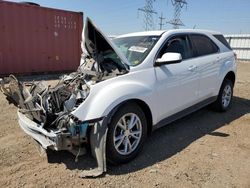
[(127, 134)]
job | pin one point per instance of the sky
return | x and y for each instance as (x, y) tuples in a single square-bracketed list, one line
[(116, 17)]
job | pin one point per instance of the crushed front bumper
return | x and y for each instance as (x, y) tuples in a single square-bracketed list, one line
[(55, 140), (45, 138), (58, 140)]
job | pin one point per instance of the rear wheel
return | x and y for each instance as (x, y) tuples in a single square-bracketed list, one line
[(224, 100), (126, 134)]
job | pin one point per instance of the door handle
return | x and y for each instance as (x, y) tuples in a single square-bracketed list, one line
[(192, 67)]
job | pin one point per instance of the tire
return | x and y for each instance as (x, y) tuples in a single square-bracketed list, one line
[(118, 134), (220, 104)]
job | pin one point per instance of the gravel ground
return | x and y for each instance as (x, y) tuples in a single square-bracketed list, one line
[(204, 149)]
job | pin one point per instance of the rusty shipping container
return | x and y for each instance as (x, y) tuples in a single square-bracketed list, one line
[(36, 39)]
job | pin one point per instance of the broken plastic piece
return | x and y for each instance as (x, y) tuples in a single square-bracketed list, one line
[(98, 138)]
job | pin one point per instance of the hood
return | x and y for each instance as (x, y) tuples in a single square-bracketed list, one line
[(95, 42)]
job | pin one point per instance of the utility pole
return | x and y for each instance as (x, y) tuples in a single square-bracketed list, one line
[(161, 21), (178, 5), (148, 14)]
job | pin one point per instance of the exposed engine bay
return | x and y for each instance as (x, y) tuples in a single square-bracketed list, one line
[(50, 106)]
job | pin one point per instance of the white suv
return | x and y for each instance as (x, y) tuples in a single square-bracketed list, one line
[(124, 89)]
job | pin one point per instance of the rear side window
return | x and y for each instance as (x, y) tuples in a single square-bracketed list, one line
[(203, 45), (222, 39)]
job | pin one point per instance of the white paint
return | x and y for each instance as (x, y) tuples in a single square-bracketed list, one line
[(167, 89), (168, 57)]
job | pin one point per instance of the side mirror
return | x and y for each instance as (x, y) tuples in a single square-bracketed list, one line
[(168, 58)]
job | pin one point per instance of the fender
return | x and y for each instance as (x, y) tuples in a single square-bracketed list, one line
[(106, 95), (225, 68)]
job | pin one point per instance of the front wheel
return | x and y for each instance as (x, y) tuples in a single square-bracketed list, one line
[(224, 100), (126, 134)]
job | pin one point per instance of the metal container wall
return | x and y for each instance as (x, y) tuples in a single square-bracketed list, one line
[(36, 39)]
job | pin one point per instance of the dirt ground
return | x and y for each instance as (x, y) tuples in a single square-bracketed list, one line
[(204, 149)]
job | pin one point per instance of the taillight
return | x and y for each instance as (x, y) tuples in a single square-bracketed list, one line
[(235, 56)]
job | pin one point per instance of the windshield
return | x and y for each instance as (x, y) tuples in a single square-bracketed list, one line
[(136, 48)]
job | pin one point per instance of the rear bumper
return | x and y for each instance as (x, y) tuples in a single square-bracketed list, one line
[(46, 139)]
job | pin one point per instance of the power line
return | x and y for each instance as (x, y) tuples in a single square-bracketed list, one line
[(178, 5), (148, 14), (161, 21)]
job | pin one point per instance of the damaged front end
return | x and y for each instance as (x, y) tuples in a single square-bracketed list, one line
[(44, 112)]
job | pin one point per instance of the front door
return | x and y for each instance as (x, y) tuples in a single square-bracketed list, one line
[(177, 84)]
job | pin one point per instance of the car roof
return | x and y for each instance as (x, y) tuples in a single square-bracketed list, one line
[(144, 33), (172, 31)]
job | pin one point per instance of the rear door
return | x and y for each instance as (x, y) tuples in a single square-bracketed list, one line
[(177, 84), (207, 58)]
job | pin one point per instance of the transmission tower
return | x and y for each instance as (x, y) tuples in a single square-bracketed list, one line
[(178, 5), (148, 14), (161, 21)]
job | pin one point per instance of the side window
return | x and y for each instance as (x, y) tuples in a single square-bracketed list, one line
[(177, 44), (222, 39), (203, 45)]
